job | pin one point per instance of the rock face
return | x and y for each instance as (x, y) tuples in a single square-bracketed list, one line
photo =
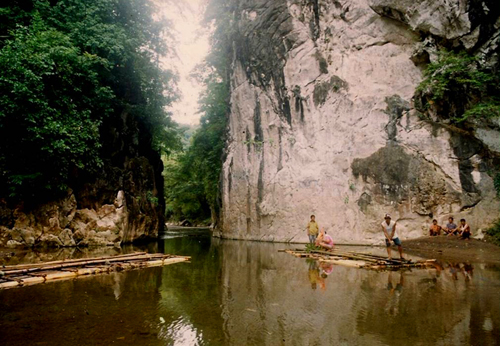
[(323, 122), (121, 205)]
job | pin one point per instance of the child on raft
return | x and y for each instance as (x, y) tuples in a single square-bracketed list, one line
[(324, 240)]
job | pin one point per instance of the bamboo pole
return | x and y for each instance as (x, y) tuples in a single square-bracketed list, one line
[(352, 255), (360, 260), (32, 265), (83, 262), (348, 252), (395, 260), (52, 274), (346, 255)]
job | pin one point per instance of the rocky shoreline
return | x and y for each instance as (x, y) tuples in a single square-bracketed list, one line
[(62, 224), (454, 249)]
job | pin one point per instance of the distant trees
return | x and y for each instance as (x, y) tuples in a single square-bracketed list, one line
[(192, 180), (65, 67)]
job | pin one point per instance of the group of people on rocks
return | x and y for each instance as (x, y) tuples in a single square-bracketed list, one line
[(321, 239), (463, 230)]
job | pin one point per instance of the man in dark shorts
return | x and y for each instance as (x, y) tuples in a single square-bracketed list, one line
[(464, 230), (389, 229)]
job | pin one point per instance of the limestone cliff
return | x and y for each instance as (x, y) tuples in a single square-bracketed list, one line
[(123, 204), (323, 120)]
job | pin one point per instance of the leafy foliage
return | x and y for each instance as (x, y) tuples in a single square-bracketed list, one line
[(51, 106), (312, 247), (496, 182), (68, 66), (192, 177), (494, 232), (459, 89)]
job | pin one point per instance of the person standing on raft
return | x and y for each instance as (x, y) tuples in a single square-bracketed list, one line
[(389, 229), (312, 230)]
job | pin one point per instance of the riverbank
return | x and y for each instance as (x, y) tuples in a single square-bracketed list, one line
[(454, 249), (244, 292)]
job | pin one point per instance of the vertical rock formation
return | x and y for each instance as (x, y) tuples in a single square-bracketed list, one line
[(323, 122), (123, 204)]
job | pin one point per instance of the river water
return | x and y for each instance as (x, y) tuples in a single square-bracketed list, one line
[(246, 293)]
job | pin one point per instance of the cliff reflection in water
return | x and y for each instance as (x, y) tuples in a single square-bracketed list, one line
[(246, 293)]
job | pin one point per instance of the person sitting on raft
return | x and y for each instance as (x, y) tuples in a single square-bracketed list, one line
[(451, 227), (324, 240), (464, 230), (435, 229)]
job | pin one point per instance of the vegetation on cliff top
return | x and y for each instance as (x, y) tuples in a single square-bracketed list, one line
[(459, 87), (67, 66)]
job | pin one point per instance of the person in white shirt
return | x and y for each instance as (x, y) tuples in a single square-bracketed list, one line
[(464, 230), (389, 229)]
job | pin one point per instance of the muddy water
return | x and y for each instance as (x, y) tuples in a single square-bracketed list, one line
[(246, 293)]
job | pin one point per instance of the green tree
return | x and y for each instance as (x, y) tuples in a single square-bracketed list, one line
[(51, 106), (192, 177), (457, 87), (192, 180), (68, 68)]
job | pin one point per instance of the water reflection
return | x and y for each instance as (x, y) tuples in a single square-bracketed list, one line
[(246, 293)]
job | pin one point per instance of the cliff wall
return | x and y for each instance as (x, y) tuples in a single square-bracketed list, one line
[(323, 120)]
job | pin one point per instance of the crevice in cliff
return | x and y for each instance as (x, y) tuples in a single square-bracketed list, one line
[(314, 23), (396, 106), (260, 188), (280, 155), (257, 121), (299, 102), (263, 58)]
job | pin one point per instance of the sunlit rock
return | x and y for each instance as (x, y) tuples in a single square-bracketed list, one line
[(323, 121)]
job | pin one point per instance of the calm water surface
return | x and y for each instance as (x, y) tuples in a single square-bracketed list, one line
[(246, 293)]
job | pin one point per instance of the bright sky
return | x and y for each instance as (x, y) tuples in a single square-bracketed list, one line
[(192, 47)]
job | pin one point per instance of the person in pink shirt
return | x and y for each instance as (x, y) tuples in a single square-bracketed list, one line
[(324, 240)]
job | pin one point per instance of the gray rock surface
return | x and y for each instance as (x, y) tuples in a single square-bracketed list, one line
[(322, 120), (62, 224)]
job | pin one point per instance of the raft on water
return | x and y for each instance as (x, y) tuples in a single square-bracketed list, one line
[(359, 259), (37, 273)]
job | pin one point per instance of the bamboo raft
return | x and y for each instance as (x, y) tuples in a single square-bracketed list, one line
[(37, 273), (359, 260)]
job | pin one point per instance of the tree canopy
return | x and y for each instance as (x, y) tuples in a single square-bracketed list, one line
[(67, 65)]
